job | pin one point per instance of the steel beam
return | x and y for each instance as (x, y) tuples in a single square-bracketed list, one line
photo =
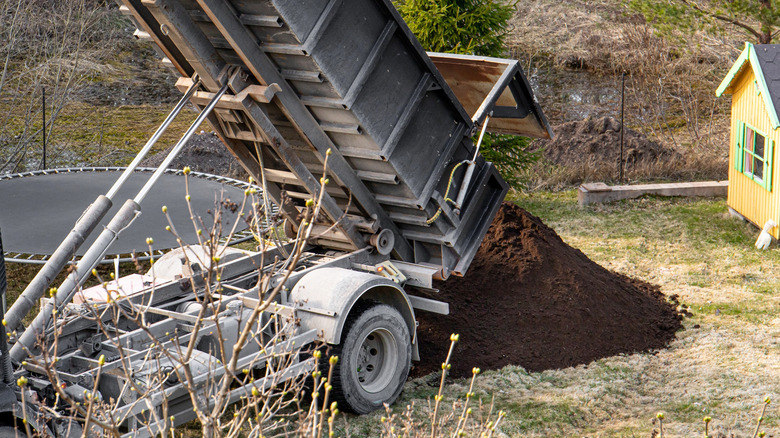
[(239, 150), (194, 45), (143, 19), (246, 46), (305, 177)]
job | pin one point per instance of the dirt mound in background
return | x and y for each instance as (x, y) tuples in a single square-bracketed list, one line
[(597, 141), (530, 299), (206, 153)]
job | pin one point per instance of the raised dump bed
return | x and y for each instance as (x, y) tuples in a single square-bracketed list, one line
[(347, 76)]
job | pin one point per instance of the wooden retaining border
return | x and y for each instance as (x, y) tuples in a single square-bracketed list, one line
[(594, 193)]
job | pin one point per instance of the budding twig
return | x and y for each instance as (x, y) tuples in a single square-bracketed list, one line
[(445, 366)]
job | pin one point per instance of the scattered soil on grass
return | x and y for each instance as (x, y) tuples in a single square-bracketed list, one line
[(206, 153), (597, 141), (530, 299)]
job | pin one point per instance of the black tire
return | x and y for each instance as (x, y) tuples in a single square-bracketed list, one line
[(374, 358)]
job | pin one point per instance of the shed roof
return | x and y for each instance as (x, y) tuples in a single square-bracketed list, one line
[(764, 59)]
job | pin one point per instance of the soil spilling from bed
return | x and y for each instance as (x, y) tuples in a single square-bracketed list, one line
[(597, 141), (530, 299)]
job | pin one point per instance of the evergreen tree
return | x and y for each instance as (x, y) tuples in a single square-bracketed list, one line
[(474, 27)]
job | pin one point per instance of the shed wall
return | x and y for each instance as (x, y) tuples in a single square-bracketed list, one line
[(745, 195)]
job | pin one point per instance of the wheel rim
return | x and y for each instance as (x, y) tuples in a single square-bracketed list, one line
[(376, 359)]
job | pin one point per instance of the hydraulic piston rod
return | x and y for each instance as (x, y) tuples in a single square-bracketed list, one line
[(84, 227), (129, 211)]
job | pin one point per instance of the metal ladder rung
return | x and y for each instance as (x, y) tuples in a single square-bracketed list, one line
[(261, 20), (242, 135), (361, 153), (424, 237), (281, 176), (409, 219), (302, 75), (324, 102), (377, 177), (342, 128), (142, 36), (332, 191), (283, 49), (397, 201), (246, 19)]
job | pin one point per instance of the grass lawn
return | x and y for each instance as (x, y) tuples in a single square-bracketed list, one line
[(722, 364), (86, 135)]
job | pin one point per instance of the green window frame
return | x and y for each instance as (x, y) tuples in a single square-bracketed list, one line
[(754, 155)]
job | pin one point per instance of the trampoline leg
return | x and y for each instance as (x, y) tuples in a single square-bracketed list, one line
[(6, 371)]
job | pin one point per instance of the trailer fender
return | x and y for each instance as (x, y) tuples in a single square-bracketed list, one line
[(324, 297)]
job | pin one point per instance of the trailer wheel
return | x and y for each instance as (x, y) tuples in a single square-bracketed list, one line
[(374, 359)]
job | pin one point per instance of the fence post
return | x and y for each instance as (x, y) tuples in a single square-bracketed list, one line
[(622, 128), (43, 130)]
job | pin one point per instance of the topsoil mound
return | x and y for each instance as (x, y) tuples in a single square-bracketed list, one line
[(205, 153), (530, 299), (597, 141)]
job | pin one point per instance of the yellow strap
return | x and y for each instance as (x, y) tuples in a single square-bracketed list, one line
[(446, 194)]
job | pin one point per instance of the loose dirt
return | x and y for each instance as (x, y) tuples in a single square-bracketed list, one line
[(597, 141), (530, 299), (204, 152)]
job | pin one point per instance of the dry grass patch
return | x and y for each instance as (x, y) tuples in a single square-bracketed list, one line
[(88, 135), (577, 51)]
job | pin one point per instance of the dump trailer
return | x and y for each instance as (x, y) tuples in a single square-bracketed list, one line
[(330, 105)]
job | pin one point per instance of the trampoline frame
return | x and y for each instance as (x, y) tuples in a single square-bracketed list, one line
[(40, 259)]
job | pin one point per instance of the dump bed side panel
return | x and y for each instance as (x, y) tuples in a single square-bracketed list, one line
[(346, 76)]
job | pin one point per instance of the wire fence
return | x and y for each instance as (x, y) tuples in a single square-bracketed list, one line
[(75, 88)]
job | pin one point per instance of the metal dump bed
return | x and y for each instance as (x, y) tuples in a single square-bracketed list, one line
[(347, 76)]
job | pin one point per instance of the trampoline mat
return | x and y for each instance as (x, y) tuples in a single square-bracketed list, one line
[(37, 212)]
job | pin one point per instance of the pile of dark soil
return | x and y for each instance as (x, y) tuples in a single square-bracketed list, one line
[(530, 299), (206, 153), (596, 141)]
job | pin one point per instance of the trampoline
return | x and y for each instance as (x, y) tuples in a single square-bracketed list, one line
[(38, 209)]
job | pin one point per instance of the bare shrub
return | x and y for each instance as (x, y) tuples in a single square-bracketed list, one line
[(670, 81), (61, 46), (203, 345)]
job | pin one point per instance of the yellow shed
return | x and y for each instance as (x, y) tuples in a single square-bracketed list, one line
[(754, 83)]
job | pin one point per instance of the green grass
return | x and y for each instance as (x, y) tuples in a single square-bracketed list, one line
[(84, 133), (532, 414), (722, 364), (723, 368), (724, 361)]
